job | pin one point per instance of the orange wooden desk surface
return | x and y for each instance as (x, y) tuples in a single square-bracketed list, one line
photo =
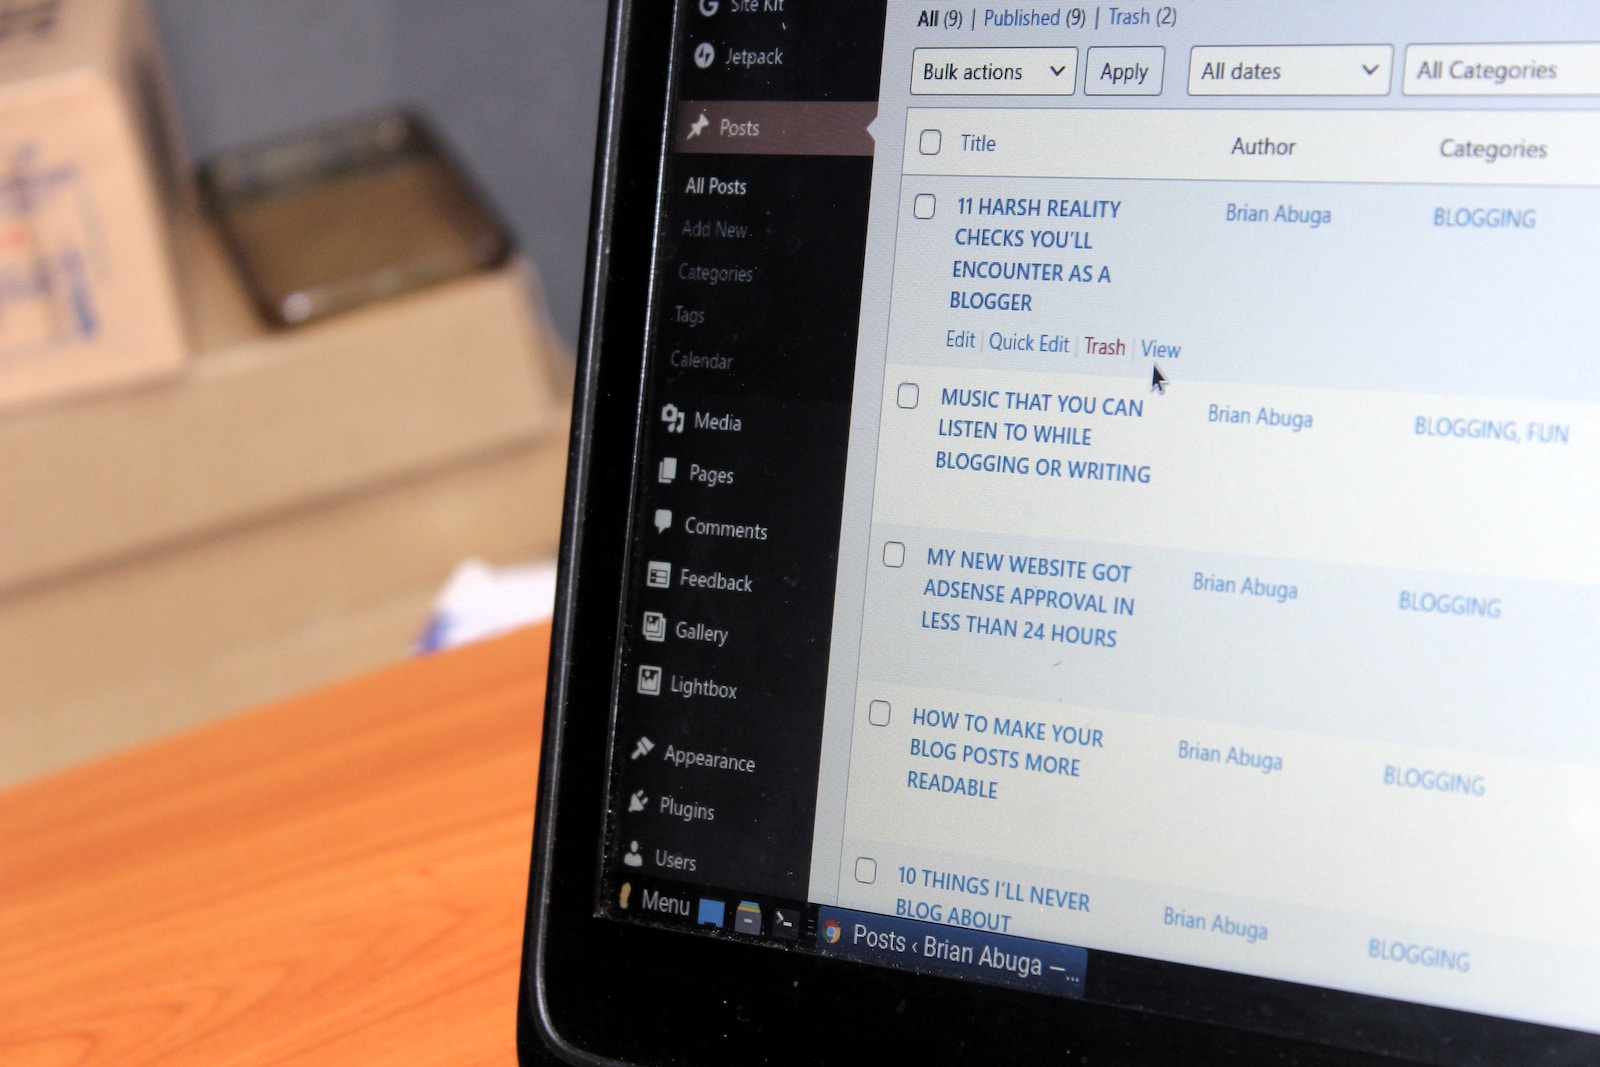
[(338, 879)]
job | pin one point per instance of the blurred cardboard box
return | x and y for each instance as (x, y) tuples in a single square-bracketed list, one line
[(91, 169), (263, 421), (123, 654), (276, 516)]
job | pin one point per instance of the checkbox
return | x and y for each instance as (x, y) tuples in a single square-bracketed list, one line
[(866, 870), (894, 554), (907, 395), (929, 143), (878, 713), (922, 207)]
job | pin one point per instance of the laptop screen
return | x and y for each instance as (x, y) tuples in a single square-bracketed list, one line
[(1116, 504)]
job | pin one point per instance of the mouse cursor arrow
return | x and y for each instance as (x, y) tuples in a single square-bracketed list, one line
[(1158, 381)]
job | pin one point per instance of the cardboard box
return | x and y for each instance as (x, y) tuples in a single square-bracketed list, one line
[(134, 651), (91, 169), (277, 420), (276, 516)]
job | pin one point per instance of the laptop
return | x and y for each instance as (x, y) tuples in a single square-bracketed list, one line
[(1080, 541)]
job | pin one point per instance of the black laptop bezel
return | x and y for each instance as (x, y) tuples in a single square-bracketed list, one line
[(595, 990)]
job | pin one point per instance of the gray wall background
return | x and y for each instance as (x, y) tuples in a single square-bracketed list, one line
[(513, 86)]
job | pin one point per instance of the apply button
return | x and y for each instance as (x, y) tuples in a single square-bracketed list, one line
[(1124, 71)]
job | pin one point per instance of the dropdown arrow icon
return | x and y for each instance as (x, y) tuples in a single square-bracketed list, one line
[(1370, 70), (1057, 70)]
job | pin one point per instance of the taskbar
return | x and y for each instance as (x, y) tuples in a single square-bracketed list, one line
[(1317, 1014), (906, 944)]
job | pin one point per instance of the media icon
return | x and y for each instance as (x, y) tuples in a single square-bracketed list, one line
[(663, 519), (632, 858), (638, 800), (704, 55), (747, 918), (673, 416), (649, 680), (667, 470), (658, 574), (644, 747), (655, 626)]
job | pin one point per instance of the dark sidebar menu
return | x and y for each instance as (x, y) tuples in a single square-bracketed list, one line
[(742, 459)]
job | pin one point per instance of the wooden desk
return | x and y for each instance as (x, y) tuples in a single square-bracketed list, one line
[(338, 879)]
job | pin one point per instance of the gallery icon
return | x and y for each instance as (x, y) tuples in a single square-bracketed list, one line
[(673, 416), (655, 626), (658, 574), (632, 857), (831, 931), (667, 469), (638, 800), (649, 680)]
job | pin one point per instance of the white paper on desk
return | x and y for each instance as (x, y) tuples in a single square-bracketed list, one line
[(481, 601)]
